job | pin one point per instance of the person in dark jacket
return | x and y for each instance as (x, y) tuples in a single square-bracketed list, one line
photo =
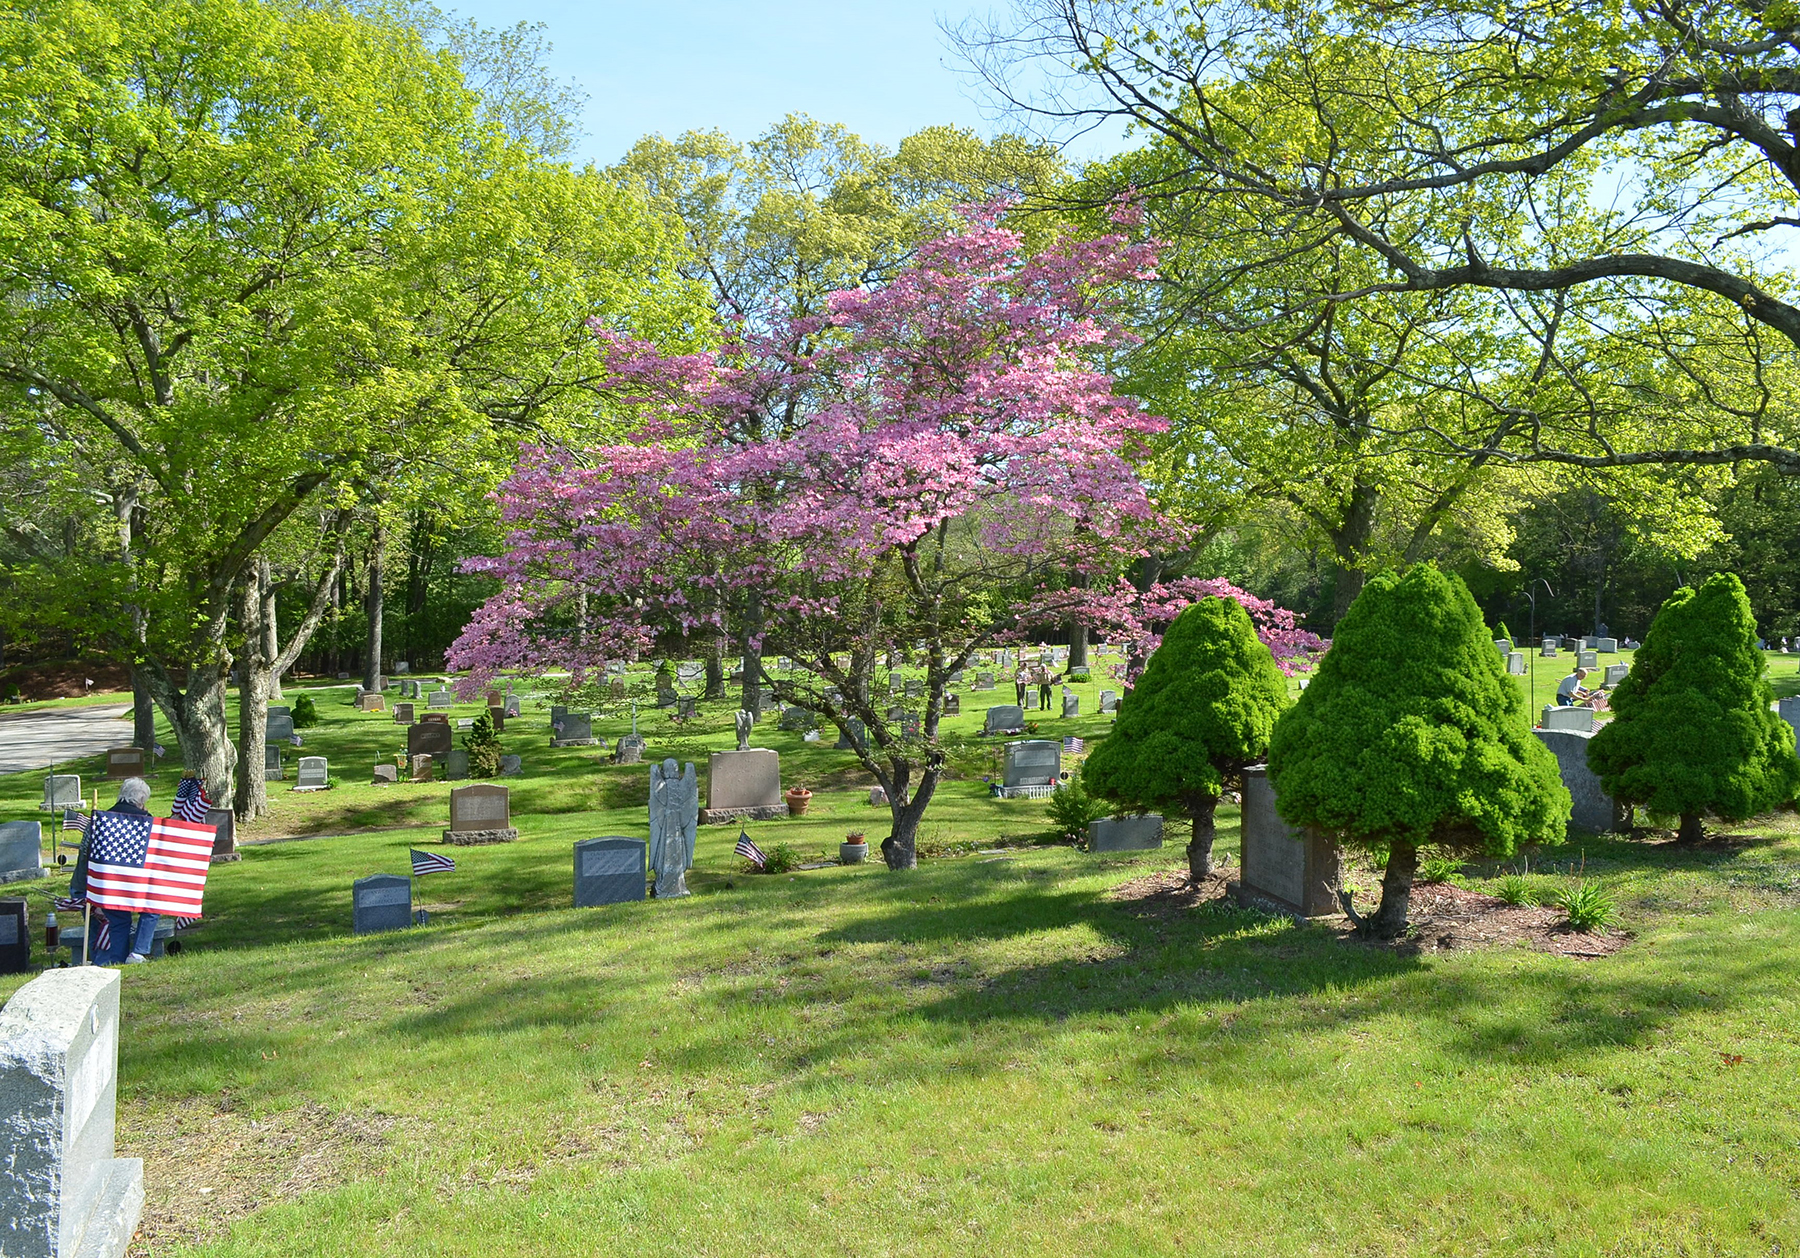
[(124, 945)]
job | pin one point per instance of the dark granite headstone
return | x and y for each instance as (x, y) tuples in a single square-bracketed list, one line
[(497, 717), (844, 742), (224, 824), (272, 771), (403, 714), (610, 871), (952, 705), (380, 902), (125, 762), (428, 738), (15, 937)]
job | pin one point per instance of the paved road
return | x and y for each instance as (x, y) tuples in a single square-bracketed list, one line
[(37, 740)]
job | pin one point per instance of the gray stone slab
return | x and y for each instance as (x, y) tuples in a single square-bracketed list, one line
[(610, 871), (983, 681), (403, 714), (1616, 673), (1554, 717), (1515, 663), (61, 790), (312, 774), (380, 902), (512, 706), (21, 851), (855, 732), (1789, 709), (1593, 807), (744, 779), (278, 727), (1503, 645), (1071, 705), (272, 769), (1033, 762), (1295, 870), (456, 764), (386, 775), (1587, 659), (1007, 717), (1606, 646), (1547, 652), (511, 766), (480, 808), (62, 1192), (1109, 701), (224, 824), (576, 730), (1126, 834), (440, 699), (674, 814)]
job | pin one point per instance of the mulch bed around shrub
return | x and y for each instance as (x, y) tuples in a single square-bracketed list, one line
[(1444, 917)]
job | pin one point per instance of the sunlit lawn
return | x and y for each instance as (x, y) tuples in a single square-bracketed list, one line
[(989, 1055)]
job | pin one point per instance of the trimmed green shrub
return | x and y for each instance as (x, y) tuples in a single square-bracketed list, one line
[(1692, 733), (484, 747), (1201, 713), (1411, 733), (1072, 808), (305, 713), (1589, 905)]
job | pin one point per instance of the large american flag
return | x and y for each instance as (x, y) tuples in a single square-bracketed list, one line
[(148, 864)]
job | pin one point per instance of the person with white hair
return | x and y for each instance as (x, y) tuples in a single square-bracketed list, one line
[(120, 944)]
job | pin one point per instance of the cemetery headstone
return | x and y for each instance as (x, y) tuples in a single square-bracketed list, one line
[(380, 902), (456, 765), (1109, 701), (744, 722), (428, 738), (435, 718), (494, 698), (631, 750), (421, 770), (409, 690), (854, 734), (1552, 640), (480, 814), (895, 681), (1606, 646), (369, 701), (511, 766), (1071, 705), (1004, 719), (915, 689), (744, 786), (62, 1192), (512, 706), (1615, 673), (497, 718), (1587, 659), (1593, 808), (15, 937), (909, 725), (21, 851), (616, 687), (796, 719), (1589, 642), (278, 727), (877, 796), (401, 666), (896, 713), (674, 812), (690, 670), (124, 762), (1567, 718), (1547, 652), (440, 699), (272, 770), (403, 714), (1503, 645), (610, 871), (343, 676), (1515, 663), (557, 712), (684, 706), (61, 790), (577, 730), (385, 775), (984, 681), (224, 824), (1031, 768), (665, 695), (312, 774), (956, 676), (1789, 710), (952, 705), (1294, 870), (1126, 834)]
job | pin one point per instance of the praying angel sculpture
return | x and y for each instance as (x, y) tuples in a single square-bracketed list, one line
[(674, 814), (745, 723)]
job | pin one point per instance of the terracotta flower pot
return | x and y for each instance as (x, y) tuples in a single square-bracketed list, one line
[(797, 801)]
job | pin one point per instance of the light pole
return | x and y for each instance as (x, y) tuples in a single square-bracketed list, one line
[(1531, 659)]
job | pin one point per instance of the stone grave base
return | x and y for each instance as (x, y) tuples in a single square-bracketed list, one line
[(574, 742), (312, 788), (764, 812), (1027, 792), (476, 838), (1251, 898), (25, 875), (225, 858)]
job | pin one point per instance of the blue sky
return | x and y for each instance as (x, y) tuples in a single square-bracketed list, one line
[(880, 67)]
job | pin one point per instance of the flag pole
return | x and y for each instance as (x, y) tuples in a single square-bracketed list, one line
[(87, 932)]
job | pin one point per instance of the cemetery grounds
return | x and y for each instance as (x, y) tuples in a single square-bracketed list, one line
[(1003, 1053)]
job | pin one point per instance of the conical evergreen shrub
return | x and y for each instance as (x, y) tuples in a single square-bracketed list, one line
[(1201, 712), (1692, 733), (1412, 733)]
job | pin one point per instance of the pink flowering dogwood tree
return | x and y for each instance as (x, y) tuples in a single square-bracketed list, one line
[(918, 481)]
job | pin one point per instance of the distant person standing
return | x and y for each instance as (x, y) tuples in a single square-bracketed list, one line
[(1044, 683), (1021, 679)]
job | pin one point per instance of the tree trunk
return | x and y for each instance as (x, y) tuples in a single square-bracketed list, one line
[(1350, 546), (1389, 921), (372, 664), (1199, 848), (198, 717), (1691, 830), (715, 669), (251, 799), (1078, 646), (143, 713), (901, 848), (752, 692), (271, 645)]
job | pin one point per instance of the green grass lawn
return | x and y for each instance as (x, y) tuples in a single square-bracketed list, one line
[(989, 1055)]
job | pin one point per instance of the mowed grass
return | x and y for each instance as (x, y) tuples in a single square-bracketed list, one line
[(992, 1054)]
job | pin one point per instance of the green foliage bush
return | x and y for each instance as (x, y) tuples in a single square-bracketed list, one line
[(305, 712), (1412, 733), (780, 859), (1692, 733), (1589, 905), (1515, 889), (1072, 809), (484, 747), (1438, 866), (1202, 711)]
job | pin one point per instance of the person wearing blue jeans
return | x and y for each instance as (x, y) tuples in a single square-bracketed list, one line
[(124, 945)]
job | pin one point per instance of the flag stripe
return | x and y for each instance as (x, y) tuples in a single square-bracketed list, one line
[(150, 865)]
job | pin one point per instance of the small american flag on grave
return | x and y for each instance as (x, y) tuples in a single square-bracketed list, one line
[(148, 864)]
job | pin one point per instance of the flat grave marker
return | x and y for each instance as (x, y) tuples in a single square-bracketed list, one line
[(124, 762)]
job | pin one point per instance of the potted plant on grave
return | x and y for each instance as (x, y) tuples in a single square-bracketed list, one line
[(854, 850), (798, 797)]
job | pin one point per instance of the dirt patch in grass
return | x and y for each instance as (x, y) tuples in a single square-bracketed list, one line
[(1448, 918), (206, 1165), (1444, 917)]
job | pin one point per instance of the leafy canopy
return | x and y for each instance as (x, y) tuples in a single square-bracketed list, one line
[(1692, 731), (1413, 732), (1204, 708)]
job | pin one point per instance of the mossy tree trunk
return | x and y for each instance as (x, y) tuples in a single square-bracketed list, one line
[(1389, 921), (1691, 830), (1199, 849)]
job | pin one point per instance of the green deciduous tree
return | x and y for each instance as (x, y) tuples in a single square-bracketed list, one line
[(1692, 732), (1412, 733), (1202, 711)]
